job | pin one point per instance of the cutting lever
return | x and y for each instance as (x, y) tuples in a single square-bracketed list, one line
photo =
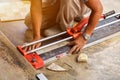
[(73, 32)]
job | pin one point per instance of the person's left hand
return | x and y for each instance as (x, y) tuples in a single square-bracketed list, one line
[(77, 44), (34, 46)]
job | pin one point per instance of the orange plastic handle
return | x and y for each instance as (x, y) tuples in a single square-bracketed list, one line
[(76, 31)]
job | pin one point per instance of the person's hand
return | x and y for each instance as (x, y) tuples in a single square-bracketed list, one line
[(77, 44), (33, 46)]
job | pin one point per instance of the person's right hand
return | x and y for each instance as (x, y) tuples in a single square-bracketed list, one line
[(34, 46)]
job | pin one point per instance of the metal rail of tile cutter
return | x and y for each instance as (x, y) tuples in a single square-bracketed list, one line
[(38, 62)]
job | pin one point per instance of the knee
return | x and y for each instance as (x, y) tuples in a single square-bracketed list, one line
[(28, 21)]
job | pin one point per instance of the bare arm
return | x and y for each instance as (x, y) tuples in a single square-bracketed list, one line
[(36, 15), (96, 8)]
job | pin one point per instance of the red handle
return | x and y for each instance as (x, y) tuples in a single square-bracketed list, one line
[(76, 31)]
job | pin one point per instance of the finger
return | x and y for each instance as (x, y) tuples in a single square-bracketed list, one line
[(78, 49), (38, 45), (72, 49), (33, 47), (71, 43), (29, 48)]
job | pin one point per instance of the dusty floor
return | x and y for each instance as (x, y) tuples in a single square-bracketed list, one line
[(103, 63), (15, 10), (9, 70), (12, 63), (16, 28)]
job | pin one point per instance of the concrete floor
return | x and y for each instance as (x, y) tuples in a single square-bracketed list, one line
[(12, 64), (16, 28), (103, 63), (13, 10)]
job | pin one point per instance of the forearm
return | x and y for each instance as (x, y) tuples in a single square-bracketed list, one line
[(96, 12), (36, 15), (93, 21)]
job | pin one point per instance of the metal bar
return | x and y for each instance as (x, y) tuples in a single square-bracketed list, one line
[(44, 39), (31, 51), (107, 24), (109, 13), (101, 40), (70, 38), (58, 34), (113, 15)]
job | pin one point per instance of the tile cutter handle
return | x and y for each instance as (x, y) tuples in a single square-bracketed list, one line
[(77, 28), (73, 32)]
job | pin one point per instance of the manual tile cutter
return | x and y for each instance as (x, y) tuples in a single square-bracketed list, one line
[(36, 61)]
